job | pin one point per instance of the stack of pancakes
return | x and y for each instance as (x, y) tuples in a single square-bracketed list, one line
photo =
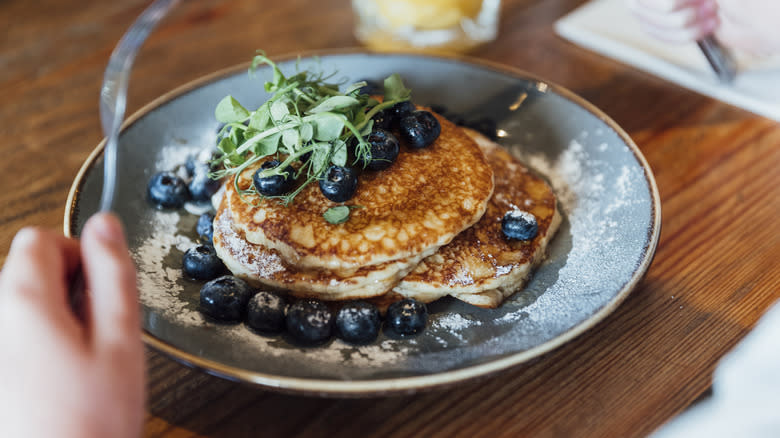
[(428, 226)]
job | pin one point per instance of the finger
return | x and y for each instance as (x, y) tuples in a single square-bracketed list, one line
[(666, 6), (750, 27), (685, 17), (35, 278), (688, 16), (684, 35), (111, 282)]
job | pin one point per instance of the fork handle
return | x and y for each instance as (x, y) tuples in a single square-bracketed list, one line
[(720, 59)]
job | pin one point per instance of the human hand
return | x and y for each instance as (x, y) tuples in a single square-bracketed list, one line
[(676, 21), (746, 25), (59, 376), (750, 25)]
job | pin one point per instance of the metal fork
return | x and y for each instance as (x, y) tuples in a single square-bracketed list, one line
[(113, 101), (113, 94), (720, 59)]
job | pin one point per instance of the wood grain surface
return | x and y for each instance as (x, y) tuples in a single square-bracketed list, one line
[(715, 271)]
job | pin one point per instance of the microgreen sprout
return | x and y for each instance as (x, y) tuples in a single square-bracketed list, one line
[(307, 123)]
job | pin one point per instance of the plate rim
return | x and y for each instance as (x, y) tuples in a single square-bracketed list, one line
[(379, 387)]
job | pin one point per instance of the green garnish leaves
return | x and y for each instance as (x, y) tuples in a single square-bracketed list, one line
[(267, 146), (229, 110), (339, 157), (306, 132), (334, 103), (307, 124), (328, 126), (291, 138), (395, 89), (319, 158), (336, 215), (339, 214), (260, 119), (227, 145)]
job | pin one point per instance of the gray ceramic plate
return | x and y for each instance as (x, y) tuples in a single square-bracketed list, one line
[(605, 243)]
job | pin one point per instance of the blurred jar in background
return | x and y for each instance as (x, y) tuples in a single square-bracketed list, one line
[(437, 26)]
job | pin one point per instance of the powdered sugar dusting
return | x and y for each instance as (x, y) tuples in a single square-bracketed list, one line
[(174, 156), (463, 277), (337, 352), (605, 233), (158, 284), (595, 197), (455, 322), (260, 262), (452, 325), (581, 183), (521, 214), (163, 292)]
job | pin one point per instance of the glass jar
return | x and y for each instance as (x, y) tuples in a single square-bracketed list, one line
[(425, 25)]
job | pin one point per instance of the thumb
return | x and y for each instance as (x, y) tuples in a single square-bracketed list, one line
[(111, 281)]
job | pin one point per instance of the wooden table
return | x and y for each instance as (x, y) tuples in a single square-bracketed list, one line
[(715, 270)]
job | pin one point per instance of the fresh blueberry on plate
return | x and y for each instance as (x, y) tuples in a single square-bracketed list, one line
[(274, 185), (372, 87), (309, 321), (225, 298), (402, 109), (383, 120), (384, 149), (205, 227), (358, 322), (519, 225), (407, 317), (201, 263), (419, 129), (339, 183), (167, 190), (202, 187), (265, 312)]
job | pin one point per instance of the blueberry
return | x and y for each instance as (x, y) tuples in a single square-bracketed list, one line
[(519, 225), (201, 263), (166, 190), (190, 164), (205, 227), (384, 149), (202, 187), (402, 109), (273, 185), (383, 120), (225, 298), (372, 87), (339, 184), (358, 322), (309, 321), (420, 129), (265, 312), (407, 317)]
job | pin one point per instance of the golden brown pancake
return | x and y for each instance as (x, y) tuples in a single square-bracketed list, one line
[(421, 202), (263, 267), (481, 266)]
